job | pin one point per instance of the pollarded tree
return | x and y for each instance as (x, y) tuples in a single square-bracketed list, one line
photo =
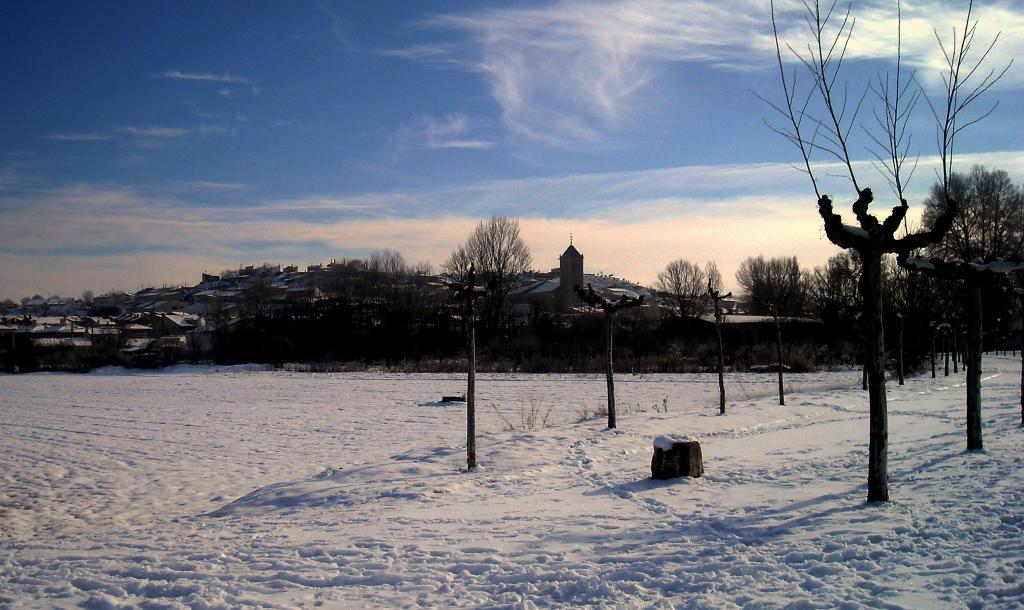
[(777, 286), (687, 283), (973, 275), (610, 307), (466, 293), (822, 118), (716, 296), (1019, 293)]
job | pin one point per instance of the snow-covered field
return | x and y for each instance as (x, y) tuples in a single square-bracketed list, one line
[(227, 488)]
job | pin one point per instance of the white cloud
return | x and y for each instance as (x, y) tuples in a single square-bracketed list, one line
[(153, 132), (171, 133), (875, 33), (205, 76), (569, 74), (454, 131), (78, 137), (219, 186)]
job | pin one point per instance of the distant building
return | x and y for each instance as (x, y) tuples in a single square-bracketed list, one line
[(570, 275)]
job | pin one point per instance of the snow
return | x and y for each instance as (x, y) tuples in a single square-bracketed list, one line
[(236, 488), (920, 263), (998, 266), (856, 231), (666, 441)]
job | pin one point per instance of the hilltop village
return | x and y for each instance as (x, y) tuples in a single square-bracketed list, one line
[(156, 326)]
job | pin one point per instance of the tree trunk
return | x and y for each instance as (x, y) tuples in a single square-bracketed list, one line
[(899, 355), (608, 370), (973, 365), (956, 354), (778, 353), (878, 449), (864, 364), (933, 355), (946, 353), (721, 364), (471, 390)]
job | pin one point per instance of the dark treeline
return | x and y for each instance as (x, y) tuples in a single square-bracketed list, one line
[(402, 319)]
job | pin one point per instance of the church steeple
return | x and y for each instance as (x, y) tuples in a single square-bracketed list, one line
[(570, 267)]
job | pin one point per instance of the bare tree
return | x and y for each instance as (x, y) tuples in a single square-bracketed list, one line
[(826, 128), (610, 308), (989, 223), (387, 263), (776, 286), (687, 283), (832, 288), (499, 255)]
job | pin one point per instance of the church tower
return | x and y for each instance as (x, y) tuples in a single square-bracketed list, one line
[(570, 265)]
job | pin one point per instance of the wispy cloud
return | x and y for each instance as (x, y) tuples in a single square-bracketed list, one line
[(455, 131), (569, 74), (170, 133), (153, 132), (78, 137), (219, 186), (205, 76), (340, 29)]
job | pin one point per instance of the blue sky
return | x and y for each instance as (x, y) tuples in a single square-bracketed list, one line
[(144, 142)]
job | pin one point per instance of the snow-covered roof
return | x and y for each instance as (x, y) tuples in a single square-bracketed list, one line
[(623, 292), (62, 342), (546, 286), (183, 320)]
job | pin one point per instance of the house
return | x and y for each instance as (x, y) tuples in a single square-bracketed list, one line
[(174, 324), (112, 299)]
